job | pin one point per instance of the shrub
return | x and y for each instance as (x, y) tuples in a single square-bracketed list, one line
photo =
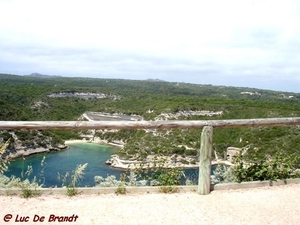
[(222, 174), (159, 175), (109, 181), (73, 180), (121, 190), (279, 166), (168, 189), (3, 162)]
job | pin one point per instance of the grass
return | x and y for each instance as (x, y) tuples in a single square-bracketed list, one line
[(168, 189), (73, 180)]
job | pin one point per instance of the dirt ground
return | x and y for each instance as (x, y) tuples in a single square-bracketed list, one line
[(267, 205)]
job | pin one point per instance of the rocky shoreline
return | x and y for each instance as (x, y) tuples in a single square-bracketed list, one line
[(23, 152), (115, 161), (174, 161), (166, 162)]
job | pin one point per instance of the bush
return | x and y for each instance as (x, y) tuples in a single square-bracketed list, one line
[(3, 162), (279, 166), (72, 181), (222, 174), (159, 174)]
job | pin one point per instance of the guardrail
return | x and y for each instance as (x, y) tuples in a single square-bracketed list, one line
[(206, 135)]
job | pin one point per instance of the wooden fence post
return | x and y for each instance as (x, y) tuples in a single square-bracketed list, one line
[(205, 160)]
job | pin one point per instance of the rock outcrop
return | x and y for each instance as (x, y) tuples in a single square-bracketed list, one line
[(22, 152), (34, 144)]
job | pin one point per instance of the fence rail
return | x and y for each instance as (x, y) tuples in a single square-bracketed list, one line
[(171, 124), (206, 136)]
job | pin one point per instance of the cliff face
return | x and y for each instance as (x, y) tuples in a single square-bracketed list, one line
[(24, 143), (16, 153)]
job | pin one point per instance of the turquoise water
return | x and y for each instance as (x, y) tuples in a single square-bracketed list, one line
[(66, 161)]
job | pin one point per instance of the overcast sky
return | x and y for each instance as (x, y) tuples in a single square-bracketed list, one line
[(234, 43)]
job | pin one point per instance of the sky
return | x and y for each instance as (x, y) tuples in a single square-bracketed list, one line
[(234, 43)]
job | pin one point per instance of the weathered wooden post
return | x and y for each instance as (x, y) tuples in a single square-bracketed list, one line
[(205, 160)]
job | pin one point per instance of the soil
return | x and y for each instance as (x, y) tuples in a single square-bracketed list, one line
[(267, 205)]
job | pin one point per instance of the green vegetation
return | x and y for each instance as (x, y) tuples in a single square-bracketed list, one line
[(279, 166), (272, 167), (29, 188), (121, 190), (71, 181), (155, 175), (3, 161), (223, 174), (158, 175), (27, 98), (165, 178), (169, 189)]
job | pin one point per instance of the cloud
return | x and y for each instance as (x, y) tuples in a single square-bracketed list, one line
[(220, 42)]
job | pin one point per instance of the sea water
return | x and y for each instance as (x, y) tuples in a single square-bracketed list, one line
[(47, 170), (47, 167)]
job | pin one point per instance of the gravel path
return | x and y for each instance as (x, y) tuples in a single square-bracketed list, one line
[(267, 205)]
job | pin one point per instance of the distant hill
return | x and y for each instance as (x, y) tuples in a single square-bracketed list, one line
[(38, 75), (156, 80)]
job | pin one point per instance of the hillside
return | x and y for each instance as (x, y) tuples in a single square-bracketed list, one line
[(25, 98)]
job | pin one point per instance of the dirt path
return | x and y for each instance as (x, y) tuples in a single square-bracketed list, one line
[(268, 205)]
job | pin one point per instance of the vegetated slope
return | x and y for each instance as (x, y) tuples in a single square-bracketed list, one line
[(27, 98)]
